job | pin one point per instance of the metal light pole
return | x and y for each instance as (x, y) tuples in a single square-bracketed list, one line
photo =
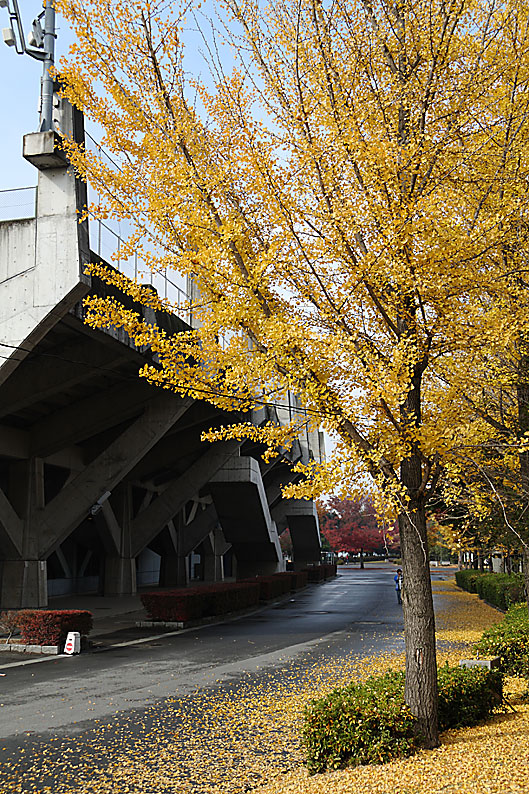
[(41, 47)]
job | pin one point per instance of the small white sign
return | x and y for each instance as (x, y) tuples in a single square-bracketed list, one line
[(73, 643)]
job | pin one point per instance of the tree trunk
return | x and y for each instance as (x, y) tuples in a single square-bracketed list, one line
[(522, 397), (417, 603), (361, 558), (421, 692), (481, 561), (459, 560), (525, 560)]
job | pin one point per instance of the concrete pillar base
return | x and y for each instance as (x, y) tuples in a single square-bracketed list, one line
[(299, 565), (23, 584), (248, 568), (173, 571), (120, 576), (213, 568)]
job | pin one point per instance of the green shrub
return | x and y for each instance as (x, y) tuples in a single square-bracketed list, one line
[(362, 723), (501, 589), (510, 641), (369, 722), (467, 695), (467, 579)]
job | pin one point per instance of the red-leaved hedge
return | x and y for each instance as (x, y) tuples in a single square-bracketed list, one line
[(299, 579), (289, 578), (315, 573), (230, 597), (277, 584), (270, 587), (50, 626), (179, 605), (329, 569), (193, 603)]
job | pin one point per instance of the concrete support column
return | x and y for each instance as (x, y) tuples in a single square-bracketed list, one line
[(120, 576), (214, 547), (23, 580), (173, 570), (23, 584), (213, 568), (248, 568), (120, 565)]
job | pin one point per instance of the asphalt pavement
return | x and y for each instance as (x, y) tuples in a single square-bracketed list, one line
[(55, 703)]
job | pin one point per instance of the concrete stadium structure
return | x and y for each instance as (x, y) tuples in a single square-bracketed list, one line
[(105, 484)]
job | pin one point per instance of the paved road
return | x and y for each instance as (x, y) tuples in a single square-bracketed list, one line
[(64, 699), (357, 606)]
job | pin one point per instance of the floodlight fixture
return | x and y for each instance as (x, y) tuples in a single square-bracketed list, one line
[(36, 34), (8, 35)]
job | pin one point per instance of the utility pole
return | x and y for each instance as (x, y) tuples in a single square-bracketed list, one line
[(41, 46)]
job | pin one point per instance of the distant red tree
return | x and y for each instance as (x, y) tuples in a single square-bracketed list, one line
[(286, 542), (350, 525)]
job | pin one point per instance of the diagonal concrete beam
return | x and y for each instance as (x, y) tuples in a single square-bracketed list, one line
[(70, 506), (82, 419), (10, 528), (151, 521), (199, 529), (54, 372), (113, 527)]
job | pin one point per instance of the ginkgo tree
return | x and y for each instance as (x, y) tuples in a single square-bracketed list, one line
[(345, 195)]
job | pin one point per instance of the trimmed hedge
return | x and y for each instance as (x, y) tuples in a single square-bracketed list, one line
[(369, 722), (315, 574), (499, 589), (467, 579), (50, 626), (174, 605), (193, 603), (299, 579), (230, 597), (510, 641), (273, 586)]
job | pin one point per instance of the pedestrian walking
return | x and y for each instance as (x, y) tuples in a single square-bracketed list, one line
[(398, 585)]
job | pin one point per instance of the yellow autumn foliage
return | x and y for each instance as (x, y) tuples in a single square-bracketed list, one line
[(349, 201)]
